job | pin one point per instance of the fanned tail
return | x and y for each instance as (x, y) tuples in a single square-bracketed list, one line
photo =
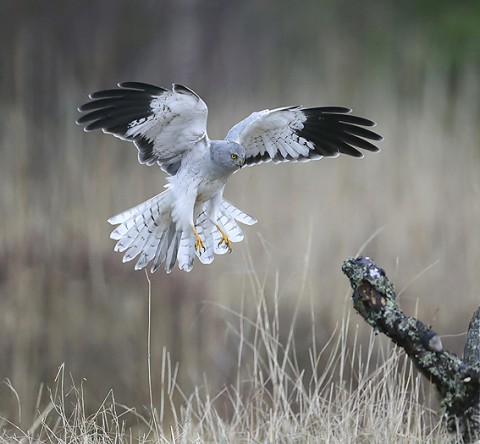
[(148, 232)]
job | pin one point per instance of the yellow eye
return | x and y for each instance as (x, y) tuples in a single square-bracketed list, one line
[(233, 156)]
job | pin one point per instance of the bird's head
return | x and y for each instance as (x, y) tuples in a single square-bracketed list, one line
[(228, 155)]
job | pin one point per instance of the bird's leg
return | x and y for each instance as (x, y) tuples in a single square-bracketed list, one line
[(198, 241), (224, 239)]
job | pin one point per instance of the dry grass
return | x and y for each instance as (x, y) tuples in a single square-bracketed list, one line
[(273, 398)]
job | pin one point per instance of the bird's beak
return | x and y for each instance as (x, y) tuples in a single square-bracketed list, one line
[(241, 162)]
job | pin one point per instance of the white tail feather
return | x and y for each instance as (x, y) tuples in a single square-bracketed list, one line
[(148, 232), (228, 209), (186, 251), (204, 228)]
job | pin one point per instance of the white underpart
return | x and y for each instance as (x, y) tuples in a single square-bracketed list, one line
[(177, 123), (168, 118), (274, 132)]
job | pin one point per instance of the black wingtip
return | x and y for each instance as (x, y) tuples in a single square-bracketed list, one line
[(334, 130), (182, 89), (326, 110), (141, 86)]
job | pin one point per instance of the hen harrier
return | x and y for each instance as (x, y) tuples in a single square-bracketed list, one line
[(168, 127)]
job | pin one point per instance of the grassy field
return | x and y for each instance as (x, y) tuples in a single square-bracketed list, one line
[(262, 345), (355, 398)]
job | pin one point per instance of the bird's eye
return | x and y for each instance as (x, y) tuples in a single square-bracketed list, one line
[(233, 156)]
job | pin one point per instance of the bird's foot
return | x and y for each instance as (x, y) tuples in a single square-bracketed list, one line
[(224, 240), (199, 245)]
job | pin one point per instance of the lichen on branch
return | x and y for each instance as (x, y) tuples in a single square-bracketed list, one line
[(457, 381)]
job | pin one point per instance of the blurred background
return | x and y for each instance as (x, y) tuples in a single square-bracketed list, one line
[(66, 297)]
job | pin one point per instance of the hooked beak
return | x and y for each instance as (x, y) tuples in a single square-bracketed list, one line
[(241, 162)]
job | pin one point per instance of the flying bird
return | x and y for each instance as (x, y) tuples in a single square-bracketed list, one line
[(169, 128)]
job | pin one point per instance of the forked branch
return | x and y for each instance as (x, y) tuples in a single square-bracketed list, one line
[(456, 380)]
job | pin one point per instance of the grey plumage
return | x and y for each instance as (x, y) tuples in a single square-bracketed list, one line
[(191, 219)]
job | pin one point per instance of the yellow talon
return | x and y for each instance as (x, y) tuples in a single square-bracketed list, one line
[(198, 241), (224, 239)]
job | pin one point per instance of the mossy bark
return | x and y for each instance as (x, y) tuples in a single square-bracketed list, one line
[(456, 380)]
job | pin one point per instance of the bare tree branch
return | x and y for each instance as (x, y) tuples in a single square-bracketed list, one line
[(456, 380)]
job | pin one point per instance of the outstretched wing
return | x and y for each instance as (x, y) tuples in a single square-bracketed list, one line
[(301, 134), (163, 124)]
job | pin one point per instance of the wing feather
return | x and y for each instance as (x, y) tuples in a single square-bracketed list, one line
[(163, 124), (300, 134)]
